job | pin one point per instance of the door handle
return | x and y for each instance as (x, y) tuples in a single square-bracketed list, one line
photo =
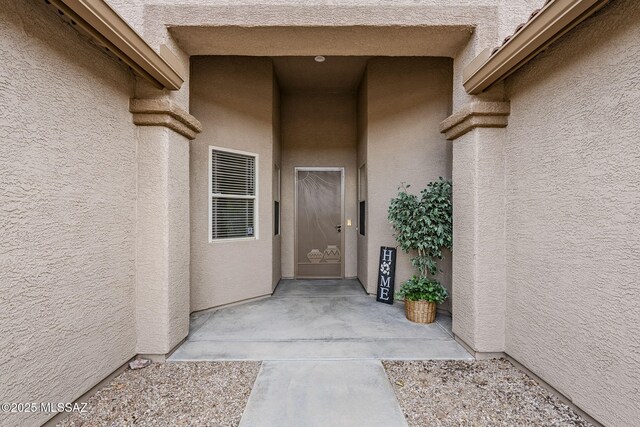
[(339, 228)]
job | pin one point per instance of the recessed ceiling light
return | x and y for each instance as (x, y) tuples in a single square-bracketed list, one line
[(319, 58)]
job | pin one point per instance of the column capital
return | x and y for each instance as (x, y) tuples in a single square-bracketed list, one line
[(485, 114), (164, 112)]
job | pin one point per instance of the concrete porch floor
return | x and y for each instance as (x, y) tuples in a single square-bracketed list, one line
[(316, 320), (320, 343)]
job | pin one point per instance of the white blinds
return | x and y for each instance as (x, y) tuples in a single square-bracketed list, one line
[(233, 195)]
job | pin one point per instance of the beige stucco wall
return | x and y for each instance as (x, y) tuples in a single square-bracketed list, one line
[(318, 129), (68, 179), (454, 28), (233, 98), (406, 100), (363, 241), (478, 276), (276, 187), (573, 215), (162, 241)]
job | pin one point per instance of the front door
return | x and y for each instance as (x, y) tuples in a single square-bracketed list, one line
[(319, 250)]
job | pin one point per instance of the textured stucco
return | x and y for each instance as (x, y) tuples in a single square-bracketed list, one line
[(306, 41), (162, 243), (464, 167), (164, 112), (478, 237), (546, 210), (458, 29), (68, 179), (363, 241), (406, 100), (573, 215), (475, 115), (276, 188), (318, 129), (232, 97)]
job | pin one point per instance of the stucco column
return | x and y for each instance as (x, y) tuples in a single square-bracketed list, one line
[(478, 279), (162, 239)]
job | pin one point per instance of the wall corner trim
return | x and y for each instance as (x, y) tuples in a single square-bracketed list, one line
[(544, 27), (164, 112), (476, 114), (97, 19)]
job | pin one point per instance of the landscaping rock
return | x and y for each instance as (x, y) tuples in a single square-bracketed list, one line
[(139, 363), (172, 394), (474, 393)]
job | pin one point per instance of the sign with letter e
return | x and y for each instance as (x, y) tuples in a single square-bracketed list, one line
[(386, 275)]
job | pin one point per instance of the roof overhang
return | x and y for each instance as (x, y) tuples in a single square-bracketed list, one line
[(108, 29), (554, 20)]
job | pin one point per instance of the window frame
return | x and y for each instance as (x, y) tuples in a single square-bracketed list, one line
[(255, 197), (277, 199), (362, 198)]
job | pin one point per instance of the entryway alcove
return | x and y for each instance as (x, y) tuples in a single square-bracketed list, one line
[(332, 140)]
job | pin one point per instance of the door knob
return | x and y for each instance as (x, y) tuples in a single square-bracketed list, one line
[(339, 228)]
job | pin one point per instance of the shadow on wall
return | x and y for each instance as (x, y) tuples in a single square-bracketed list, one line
[(232, 96)]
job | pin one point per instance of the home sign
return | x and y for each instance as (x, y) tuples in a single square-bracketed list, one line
[(386, 275)]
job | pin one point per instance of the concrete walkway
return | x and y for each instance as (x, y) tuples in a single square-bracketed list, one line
[(321, 343), (322, 393), (311, 320)]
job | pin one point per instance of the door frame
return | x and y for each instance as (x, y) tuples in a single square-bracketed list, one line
[(295, 214)]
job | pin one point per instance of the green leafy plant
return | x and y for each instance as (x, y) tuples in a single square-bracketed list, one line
[(423, 225), (423, 289)]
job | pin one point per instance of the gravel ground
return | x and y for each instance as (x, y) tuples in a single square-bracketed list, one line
[(479, 393), (175, 394)]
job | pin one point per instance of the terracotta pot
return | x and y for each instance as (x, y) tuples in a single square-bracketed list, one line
[(420, 311)]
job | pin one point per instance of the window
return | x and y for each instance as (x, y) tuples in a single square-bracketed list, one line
[(276, 200), (362, 197), (233, 195), (361, 217)]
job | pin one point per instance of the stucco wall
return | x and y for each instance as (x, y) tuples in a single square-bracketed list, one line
[(573, 215), (318, 129), (68, 179), (232, 97), (363, 241), (162, 241), (478, 237), (276, 188), (406, 100)]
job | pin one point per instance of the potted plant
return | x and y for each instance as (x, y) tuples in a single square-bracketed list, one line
[(423, 226)]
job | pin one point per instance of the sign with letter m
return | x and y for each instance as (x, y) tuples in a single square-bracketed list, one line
[(386, 275)]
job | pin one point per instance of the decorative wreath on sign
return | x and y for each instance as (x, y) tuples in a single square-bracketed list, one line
[(385, 268)]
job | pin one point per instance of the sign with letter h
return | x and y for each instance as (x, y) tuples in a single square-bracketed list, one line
[(386, 275)]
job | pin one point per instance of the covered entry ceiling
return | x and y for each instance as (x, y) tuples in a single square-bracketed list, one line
[(335, 74), (388, 40)]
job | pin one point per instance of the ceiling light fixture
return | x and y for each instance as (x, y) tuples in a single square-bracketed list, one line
[(319, 58)]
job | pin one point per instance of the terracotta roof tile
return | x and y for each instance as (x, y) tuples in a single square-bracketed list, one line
[(520, 27)]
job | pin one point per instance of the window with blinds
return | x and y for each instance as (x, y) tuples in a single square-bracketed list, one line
[(233, 194)]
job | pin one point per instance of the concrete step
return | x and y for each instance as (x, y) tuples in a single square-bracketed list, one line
[(389, 349)]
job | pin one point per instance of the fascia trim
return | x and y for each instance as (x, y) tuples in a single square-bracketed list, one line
[(552, 22), (108, 29)]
